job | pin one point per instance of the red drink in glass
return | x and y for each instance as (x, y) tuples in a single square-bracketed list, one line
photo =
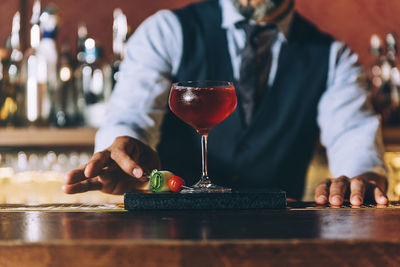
[(203, 108), (202, 105)]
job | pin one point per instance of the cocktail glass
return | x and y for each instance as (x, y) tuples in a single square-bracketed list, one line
[(202, 105)]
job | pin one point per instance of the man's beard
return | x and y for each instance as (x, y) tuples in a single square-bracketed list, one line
[(257, 13)]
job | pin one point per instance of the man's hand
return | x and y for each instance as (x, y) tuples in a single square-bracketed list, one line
[(116, 170), (367, 187)]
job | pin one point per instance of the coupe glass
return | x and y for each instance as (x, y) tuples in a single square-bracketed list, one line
[(202, 105)]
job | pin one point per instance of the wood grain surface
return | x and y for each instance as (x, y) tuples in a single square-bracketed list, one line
[(299, 237), (192, 254)]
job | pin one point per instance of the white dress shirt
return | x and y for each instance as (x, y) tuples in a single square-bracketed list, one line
[(349, 129)]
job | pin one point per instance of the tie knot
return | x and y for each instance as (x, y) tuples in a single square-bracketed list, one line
[(252, 31)]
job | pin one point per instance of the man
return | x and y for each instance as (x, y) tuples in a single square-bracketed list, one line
[(301, 83)]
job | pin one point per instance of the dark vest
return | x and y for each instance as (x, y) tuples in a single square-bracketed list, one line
[(276, 148)]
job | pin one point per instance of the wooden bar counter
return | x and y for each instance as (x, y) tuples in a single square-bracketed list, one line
[(302, 235)]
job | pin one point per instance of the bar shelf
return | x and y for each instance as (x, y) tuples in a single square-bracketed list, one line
[(43, 137), (46, 137)]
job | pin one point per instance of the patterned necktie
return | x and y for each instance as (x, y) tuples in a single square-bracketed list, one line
[(255, 65)]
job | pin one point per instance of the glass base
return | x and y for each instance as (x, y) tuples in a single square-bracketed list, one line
[(205, 186)]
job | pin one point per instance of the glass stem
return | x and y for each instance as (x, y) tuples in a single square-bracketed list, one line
[(204, 176)]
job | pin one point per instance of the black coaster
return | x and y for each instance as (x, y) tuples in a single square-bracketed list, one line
[(257, 199)]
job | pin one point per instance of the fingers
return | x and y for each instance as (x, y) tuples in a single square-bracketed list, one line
[(379, 196), (127, 185), (84, 186), (148, 159), (357, 189), (117, 182), (365, 187), (126, 163), (322, 192), (337, 190), (76, 176), (97, 163)]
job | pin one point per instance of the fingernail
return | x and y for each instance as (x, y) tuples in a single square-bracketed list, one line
[(382, 200), (336, 199), (322, 198), (137, 172), (63, 188), (356, 199), (86, 171)]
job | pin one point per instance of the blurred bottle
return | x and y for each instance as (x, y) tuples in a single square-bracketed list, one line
[(395, 86), (80, 59), (391, 51), (376, 46), (391, 48), (120, 30), (34, 73), (3, 79), (82, 36), (68, 112), (48, 50), (386, 78), (8, 103), (12, 98), (94, 80)]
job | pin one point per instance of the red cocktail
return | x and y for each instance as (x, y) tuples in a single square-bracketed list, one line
[(203, 108), (203, 104)]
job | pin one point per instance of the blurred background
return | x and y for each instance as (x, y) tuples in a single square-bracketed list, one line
[(352, 21), (83, 45)]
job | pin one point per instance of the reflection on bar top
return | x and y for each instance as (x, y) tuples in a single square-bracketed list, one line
[(119, 207)]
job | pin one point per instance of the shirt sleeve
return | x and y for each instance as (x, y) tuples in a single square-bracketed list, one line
[(139, 100), (350, 130)]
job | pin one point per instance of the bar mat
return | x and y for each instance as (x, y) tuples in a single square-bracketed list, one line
[(259, 199)]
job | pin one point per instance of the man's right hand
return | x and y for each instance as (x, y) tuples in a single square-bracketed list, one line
[(116, 170)]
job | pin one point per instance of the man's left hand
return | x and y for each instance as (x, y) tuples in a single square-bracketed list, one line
[(366, 187)]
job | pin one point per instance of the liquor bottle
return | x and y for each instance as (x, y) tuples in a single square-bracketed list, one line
[(82, 36), (16, 54), (77, 76), (395, 86), (94, 81), (34, 73), (391, 52), (391, 48), (376, 45), (376, 71), (3, 83), (68, 112), (11, 92), (120, 30), (48, 50), (385, 78), (8, 103)]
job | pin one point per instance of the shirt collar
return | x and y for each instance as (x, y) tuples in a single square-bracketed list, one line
[(230, 16)]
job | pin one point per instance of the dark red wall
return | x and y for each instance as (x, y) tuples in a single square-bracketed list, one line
[(7, 11), (350, 20), (353, 21)]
